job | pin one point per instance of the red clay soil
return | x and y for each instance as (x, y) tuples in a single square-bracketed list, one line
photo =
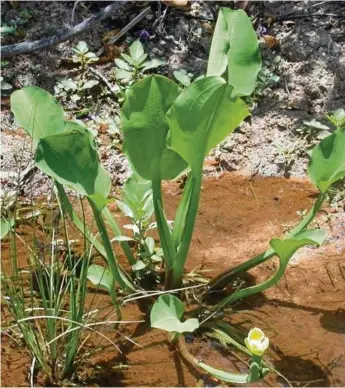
[(304, 315)]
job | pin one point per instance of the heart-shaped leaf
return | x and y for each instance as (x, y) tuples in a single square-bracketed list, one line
[(235, 45), (286, 248), (166, 314), (201, 117), (145, 128), (71, 158), (327, 164), (38, 112)]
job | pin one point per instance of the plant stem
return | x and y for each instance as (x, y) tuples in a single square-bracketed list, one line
[(109, 250), (162, 226), (181, 213), (220, 281), (117, 231), (239, 378), (186, 238)]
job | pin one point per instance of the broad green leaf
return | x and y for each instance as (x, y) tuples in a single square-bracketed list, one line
[(38, 112), (100, 276), (327, 164), (218, 57), (166, 314), (286, 248), (71, 158), (235, 45), (202, 116), (153, 64), (136, 50), (5, 226), (145, 128)]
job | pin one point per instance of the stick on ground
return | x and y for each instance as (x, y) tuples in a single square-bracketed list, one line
[(29, 46)]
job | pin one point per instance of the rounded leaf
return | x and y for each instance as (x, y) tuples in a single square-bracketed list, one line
[(327, 164), (38, 112), (71, 158), (166, 314)]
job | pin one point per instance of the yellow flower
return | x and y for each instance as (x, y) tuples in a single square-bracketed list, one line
[(256, 342)]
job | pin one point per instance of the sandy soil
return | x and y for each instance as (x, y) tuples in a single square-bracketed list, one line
[(303, 315)]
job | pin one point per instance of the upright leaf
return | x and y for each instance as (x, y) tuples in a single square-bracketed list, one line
[(71, 158), (145, 128), (166, 314), (38, 112), (235, 45), (286, 248), (202, 116), (327, 164)]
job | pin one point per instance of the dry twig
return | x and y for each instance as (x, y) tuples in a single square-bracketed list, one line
[(29, 46)]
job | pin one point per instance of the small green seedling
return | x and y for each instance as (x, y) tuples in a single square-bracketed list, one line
[(337, 118), (313, 129), (132, 67), (83, 56), (77, 90), (16, 25)]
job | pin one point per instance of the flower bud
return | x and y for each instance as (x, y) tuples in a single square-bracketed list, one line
[(256, 342)]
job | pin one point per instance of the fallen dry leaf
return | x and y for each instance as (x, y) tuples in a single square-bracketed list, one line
[(182, 4), (270, 41), (103, 127)]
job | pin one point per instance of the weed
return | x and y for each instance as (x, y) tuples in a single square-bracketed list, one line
[(132, 67), (83, 56), (78, 90)]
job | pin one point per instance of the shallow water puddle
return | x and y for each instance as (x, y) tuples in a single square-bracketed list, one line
[(304, 315)]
